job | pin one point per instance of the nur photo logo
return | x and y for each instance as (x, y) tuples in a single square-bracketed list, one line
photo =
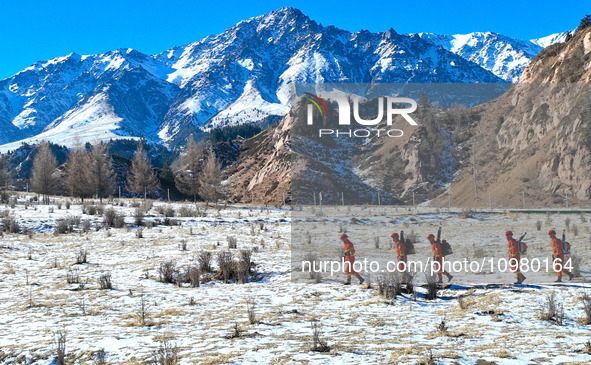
[(349, 108)]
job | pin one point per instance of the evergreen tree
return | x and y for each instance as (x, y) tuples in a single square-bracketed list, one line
[(78, 179), (187, 179), (210, 179), (101, 171), (167, 179), (141, 178), (43, 177), (585, 22), (5, 177)]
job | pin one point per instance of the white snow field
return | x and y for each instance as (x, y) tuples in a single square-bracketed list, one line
[(486, 326)]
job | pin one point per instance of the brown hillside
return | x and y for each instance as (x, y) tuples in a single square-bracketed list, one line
[(534, 140)]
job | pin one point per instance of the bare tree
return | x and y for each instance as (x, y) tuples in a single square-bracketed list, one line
[(43, 177), (187, 179), (210, 179), (141, 178), (77, 173), (101, 171)]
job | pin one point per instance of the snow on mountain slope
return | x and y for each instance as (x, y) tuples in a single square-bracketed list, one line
[(550, 40), (504, 56), (243, 75)]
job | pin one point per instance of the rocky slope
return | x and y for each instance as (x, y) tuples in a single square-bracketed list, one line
[(530, 144), (533, 143)]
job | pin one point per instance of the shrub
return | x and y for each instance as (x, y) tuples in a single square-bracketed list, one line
[(105, 281), (112, 219), (312, 258), (171, 222), (250, 310), (81, 257), (389, 286), (576, 263), (193, 276), (318, 344), (62, 227), (431, 286), (86, 225), (466, 213), (186, 212), (232, 242), (100, 357), (138, 217), (236, 332), (166, 354), (242, 266), (142, 312), (146, 206), (442, 327), (73, 276), (225, 265), (204, 259), (89, 209), (586, 299), (10, 225), (67, 225), (169, 212), (552, 310), (60, 344), (167, 272)]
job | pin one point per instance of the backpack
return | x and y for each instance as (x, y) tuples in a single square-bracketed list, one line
[(409, 247), (521, 248), (565, 247), (446, 248)]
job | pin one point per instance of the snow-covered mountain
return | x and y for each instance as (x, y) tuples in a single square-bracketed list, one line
[(504, 56), (243, 75), (551, 39)]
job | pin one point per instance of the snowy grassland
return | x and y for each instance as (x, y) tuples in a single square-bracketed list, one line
[(210, 324)]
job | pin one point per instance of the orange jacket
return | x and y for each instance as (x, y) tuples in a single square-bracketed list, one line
[(436, 248), (348, 248), (399, 247), (513, 246), (556, 246)]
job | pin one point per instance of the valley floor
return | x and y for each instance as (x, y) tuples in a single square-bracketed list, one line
[(210, 324)]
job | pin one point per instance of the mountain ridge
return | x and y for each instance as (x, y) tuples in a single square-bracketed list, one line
[(242, 75)]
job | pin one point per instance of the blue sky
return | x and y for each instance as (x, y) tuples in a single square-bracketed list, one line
[(32, 30)]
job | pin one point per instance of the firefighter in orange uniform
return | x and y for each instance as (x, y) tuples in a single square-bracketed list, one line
[(438, 256), (401, 253), (557, 253), (514, 254), (350, 260)]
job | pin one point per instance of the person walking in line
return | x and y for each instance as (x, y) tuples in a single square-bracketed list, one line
[(439, 257), (401, 255), (349, 250), (558, 256), (514, 257)]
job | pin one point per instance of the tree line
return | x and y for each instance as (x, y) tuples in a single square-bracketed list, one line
[(89, 173)]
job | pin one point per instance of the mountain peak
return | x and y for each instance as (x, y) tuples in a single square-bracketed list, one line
[(242, 75)]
